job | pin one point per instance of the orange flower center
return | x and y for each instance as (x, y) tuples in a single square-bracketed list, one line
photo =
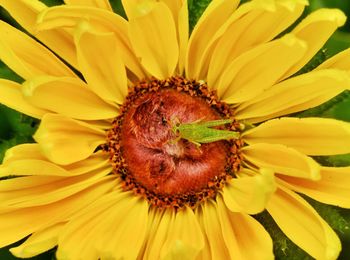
[(154, 161)]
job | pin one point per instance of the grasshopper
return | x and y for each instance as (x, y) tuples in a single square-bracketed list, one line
[(199, 132)]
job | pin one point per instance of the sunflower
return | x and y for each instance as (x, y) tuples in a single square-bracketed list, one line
[(156, 145)]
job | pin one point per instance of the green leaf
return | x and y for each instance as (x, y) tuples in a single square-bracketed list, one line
[(16, 128), (340, 160), (319, 58), (333, 108), (6, 17), (52, 2), (195, 10), (6, 73), (118, 7), (340, 108), (338, 42)]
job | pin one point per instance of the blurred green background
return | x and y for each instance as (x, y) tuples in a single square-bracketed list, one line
[(16, 128)]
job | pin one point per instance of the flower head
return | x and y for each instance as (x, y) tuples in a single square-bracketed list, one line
[(155, 144)]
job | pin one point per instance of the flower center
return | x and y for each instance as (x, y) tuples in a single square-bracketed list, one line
[(154, 161)]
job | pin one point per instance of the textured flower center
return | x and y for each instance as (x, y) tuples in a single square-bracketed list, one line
[(157, 159), (154, 161)]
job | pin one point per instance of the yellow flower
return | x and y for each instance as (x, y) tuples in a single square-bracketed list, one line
[(96, 182)]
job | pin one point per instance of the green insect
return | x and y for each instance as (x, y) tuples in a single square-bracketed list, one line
[(199, 132)]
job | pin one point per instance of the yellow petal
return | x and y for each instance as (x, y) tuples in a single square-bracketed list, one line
[(25, 13), (244, 236), (67, 96), (69, 17), (98, 160), (17, 224), (216, 246), (76, 239), (201, 38), (27, 159), (258, 69), (101, 63), (132, 7), (153, 37), (294, 95), (312, 136), (84, 234), (31, 167), (23, 151), (118, 237), (301, 224), (316, 29), (11, 96), (38, 243), (32, 191), (179, 10), (101, 124), (104, 4), (333, 187), (173, 235), (27, 57), (282, 160), (249, 194), (64, 140), (157, 231), (253, 23), (154, 216), (205, 252), (184, 239), (339, 61)]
